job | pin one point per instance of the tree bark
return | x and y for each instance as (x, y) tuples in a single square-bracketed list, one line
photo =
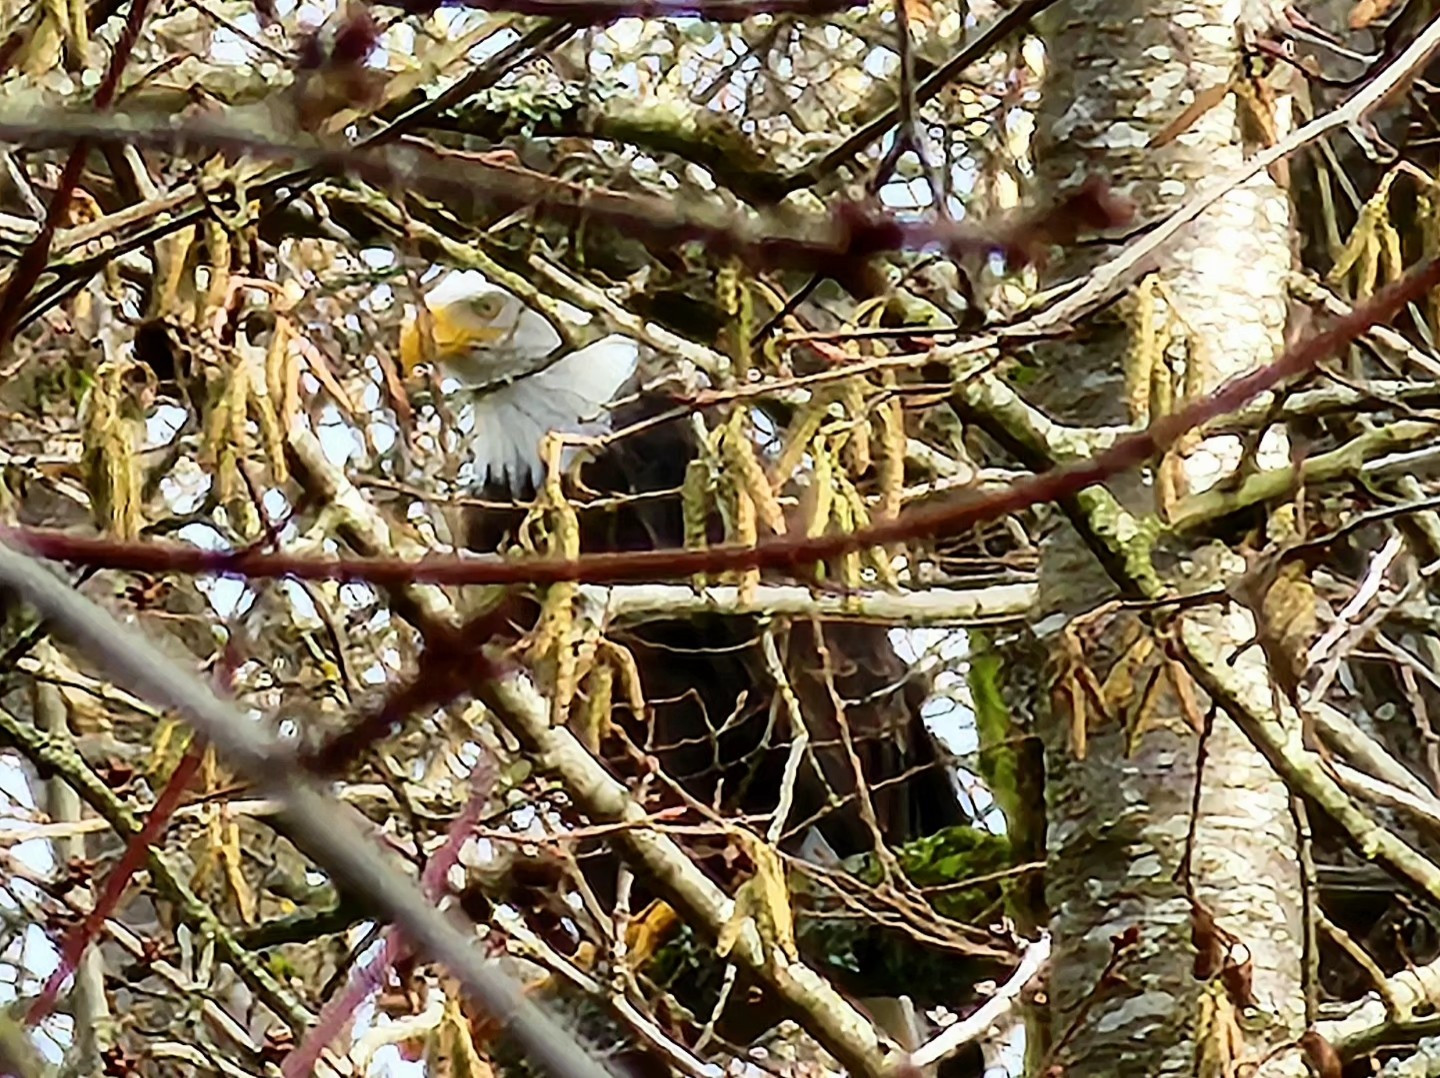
[(1120, 817)]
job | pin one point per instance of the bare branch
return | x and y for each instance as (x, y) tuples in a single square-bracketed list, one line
[(1301, 770), (952, 1039), (597, 12), (934, 606)]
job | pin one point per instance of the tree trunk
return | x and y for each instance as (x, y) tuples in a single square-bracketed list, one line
[(1120, 816)]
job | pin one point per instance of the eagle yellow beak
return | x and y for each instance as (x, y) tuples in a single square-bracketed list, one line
[(453, 331)]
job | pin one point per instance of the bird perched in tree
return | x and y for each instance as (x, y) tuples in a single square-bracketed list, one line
[(519, 380)]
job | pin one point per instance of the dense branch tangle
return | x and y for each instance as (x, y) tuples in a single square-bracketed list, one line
[(246, 275)]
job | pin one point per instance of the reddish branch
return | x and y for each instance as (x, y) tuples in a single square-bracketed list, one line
[(136, 852), (592, 12), (841, 246), (779, 553), (451, 663), (32, 261), (364, 981)]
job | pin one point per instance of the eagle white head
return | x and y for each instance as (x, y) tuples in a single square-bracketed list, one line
[(494, 349)]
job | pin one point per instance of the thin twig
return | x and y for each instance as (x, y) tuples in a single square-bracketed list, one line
[(597, 12), (342, 1008)]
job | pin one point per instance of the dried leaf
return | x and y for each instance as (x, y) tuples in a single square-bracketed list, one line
[(648, 931), (1210, 944), (1077, 686), (1184, 686), (765, 899), (1367, 11), (1321, 1055), (919, 12), (1286, 623), (1239, 981), (1127, 675), (451, 1047), (376, 91)]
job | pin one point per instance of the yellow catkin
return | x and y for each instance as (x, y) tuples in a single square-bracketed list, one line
[(238, 390), (1361, 244), (739, 453), (822, 485), (744, 327), (272, 436), (278, 359), (844, 515), (174, 256), (217, 291), (695, 504), (623, 661), (1144, 352), (1392, 262), (226, 441), (727, 288), (1429, 220), (878, 557), (1430, 237), (803, 428), (556, 631), (857, 445), (111, 430), (695, 509), (233, 861), (1368, 269), (595, 715), (1162, 387), (746, 534)]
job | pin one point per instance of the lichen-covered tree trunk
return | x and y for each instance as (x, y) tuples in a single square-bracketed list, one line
[(1119, 72)]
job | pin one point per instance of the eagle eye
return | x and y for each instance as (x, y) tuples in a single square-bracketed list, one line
[(488, 307)]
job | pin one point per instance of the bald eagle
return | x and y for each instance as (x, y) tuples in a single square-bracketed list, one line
[(717, 721), (717, 724), (520, 384)]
